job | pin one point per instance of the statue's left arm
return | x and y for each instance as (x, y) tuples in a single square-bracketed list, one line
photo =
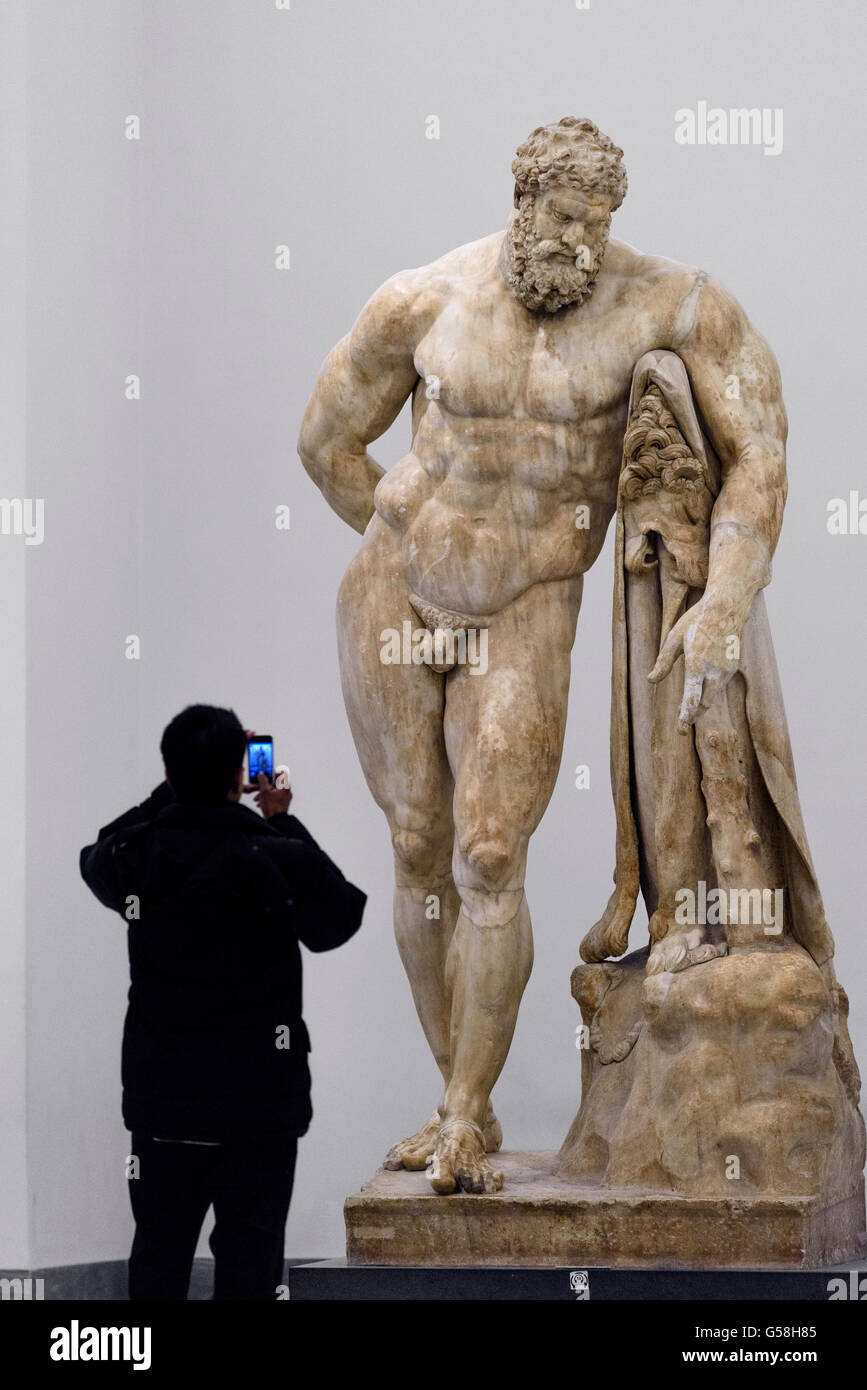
[(736, 384)]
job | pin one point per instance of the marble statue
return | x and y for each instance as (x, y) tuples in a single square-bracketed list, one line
[(558, 378)]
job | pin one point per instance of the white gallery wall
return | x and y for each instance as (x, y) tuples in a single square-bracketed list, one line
[(14, 1198), (307, 127)]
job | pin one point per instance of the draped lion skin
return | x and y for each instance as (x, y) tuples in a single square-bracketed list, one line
[(518, 352)]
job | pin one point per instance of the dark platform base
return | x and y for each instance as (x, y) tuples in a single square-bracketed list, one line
[(337, 1280)]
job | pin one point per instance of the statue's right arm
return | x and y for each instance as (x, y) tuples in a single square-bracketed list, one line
[(363, 383)]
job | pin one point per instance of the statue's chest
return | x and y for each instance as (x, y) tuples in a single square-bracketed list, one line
[(482, 363)]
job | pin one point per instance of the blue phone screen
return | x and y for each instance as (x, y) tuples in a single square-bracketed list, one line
[(261, 757)]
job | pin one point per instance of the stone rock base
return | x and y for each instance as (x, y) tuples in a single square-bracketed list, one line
[(545, 1220)]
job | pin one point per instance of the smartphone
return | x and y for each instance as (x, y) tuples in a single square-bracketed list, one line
[(260, 757)]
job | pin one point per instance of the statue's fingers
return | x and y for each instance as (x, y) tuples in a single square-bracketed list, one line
[(671, 649), (691, 702), (714, 683)]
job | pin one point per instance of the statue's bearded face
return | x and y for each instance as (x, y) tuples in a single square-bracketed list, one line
[(555, 242)]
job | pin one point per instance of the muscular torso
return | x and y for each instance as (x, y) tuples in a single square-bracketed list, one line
[(518, 423)]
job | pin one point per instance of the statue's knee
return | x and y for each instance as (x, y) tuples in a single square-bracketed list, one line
[(419, 854), (488, 859), (489, 875)]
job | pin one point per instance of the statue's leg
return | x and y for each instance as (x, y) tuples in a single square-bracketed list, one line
[(504, 737), (395, 714)]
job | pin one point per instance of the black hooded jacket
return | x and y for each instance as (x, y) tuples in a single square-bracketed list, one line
[(216, 900)]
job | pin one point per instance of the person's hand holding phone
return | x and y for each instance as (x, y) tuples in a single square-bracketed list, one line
[(272, 800), (260, 759)]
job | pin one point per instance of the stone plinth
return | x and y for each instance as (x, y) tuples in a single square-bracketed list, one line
[(542, 1219)]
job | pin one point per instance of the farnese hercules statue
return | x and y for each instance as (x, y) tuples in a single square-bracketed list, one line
[(559, 377)]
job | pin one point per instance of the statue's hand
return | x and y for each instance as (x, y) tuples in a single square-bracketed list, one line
[(709, 635)]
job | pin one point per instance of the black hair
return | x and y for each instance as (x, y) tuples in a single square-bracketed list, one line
[(202, 748)]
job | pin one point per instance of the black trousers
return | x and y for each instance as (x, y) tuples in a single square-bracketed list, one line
[(249, 1185)]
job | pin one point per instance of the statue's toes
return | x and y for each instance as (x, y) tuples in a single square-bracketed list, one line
[(440, 1176), (492, 1181), (479, 1177), (470, 1179), (416, 1159)]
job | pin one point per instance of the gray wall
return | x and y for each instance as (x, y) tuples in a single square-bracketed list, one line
[(14, 1194), (259, 127)]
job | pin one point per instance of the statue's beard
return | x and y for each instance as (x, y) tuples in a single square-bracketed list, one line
[(536, 276)]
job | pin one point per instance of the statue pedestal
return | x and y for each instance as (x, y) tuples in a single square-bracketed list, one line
[(543, 1220)]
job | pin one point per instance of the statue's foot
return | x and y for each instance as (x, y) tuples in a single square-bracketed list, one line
[(678, 950), (459, 1161), (415, 1152)]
